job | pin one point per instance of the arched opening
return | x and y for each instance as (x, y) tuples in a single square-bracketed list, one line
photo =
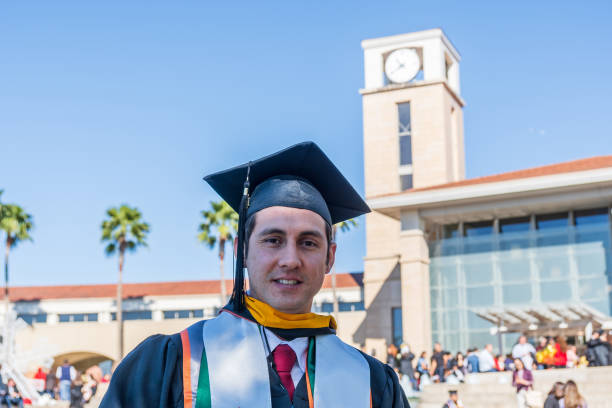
[(81, 360)]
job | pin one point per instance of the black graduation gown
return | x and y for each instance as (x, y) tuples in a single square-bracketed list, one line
[(151, 376)]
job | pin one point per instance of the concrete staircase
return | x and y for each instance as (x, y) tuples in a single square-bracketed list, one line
[(494, 390)]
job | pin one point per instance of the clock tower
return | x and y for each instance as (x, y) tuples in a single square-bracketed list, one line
[(413, 138)]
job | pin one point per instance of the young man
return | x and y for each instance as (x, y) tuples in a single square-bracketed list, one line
[(453, 400), (265, 349)]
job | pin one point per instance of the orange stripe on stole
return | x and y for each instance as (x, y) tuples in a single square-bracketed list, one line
[(187, 394)]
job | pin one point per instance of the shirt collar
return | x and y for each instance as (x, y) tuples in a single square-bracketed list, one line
[(299, 345)]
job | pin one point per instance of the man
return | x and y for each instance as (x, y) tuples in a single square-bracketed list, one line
[(453, 400), (599, 352), (405, 364), (265, 348), (65, 374), (486, 361), (472, 360), (437, 364), (525, 351)]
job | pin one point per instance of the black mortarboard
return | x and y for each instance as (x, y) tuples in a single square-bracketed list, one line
[(452, 392), (300, 176)]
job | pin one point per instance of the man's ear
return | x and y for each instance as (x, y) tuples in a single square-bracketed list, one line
[(331, 256)]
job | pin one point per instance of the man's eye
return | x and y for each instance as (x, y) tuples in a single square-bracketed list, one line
[(312, 244), (272, 240)]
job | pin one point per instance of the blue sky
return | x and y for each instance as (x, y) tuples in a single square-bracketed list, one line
[(112, 102)]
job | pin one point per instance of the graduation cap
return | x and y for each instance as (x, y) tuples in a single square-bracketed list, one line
[(300, 176), (452, 392)]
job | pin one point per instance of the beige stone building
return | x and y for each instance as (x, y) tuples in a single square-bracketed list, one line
[(459, 261), (77, 322)]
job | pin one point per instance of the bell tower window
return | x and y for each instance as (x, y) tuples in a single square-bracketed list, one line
[(405, 145)]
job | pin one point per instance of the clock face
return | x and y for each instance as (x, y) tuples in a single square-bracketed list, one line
[(402, 65)]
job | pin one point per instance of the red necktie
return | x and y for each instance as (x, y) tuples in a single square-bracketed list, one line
[(284, 359)]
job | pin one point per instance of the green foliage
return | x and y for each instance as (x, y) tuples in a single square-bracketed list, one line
[(220, 224), (344, 226), (124, 229), (16, 223)]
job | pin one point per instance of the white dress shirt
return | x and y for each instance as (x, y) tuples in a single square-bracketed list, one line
[(299, 346)]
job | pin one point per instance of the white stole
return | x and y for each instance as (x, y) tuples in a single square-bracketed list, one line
[(238, 369)]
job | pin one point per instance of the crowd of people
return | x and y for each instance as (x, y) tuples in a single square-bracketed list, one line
[(442, 366), (68, 384)]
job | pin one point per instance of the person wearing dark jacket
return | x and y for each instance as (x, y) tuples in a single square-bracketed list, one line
[(405, 364), (554, 395), (599, 351)]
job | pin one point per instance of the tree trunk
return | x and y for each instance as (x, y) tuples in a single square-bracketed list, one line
[(222, 271), (333, 279), (6, 302), (120, 305)]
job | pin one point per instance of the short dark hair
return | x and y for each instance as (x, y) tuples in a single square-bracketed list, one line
[(249, 227)]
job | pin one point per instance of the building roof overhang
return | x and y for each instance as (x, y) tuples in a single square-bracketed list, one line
[(544, 319), (507, 197)]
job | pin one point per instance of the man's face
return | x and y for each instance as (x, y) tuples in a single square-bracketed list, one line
[(522, 340), (437, 347), (287, 254), (454, 397)]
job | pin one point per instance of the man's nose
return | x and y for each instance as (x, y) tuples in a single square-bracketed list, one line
[(289, 257)]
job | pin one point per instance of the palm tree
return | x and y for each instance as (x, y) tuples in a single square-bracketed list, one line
[(16, 224), (344, 226), (124, 230), (222, 218)]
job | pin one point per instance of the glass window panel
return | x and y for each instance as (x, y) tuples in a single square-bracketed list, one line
[(547, 221), (480, 296), (514, 241), (406, 181), (92, 317), (555, 291), (589, 217), (30, 318), (515, 267), (198, 313), (451, 231), (514, 225), (475, 229), (602, 305), (137, 315), (450, 247), (436, 298), (590, 259), (435, 320), (350, 306), (553, 264), (478, 273), (476, 322), (481, 339), (553, 237), (593, 288), (327, 307), (404, 117), (405, 150), (448, 273), (63, 318), (593, 233), (477, 244), (397, 325), (519, 293), (434, 274), (79, 317), (450, 298), (451, 320)]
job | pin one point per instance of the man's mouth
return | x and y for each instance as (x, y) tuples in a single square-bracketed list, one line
[(289, 282)]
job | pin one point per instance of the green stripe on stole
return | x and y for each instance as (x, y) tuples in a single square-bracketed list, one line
[(203, 394), (203, 399)]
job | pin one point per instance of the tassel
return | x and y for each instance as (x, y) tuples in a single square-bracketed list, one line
[(237, 299)]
